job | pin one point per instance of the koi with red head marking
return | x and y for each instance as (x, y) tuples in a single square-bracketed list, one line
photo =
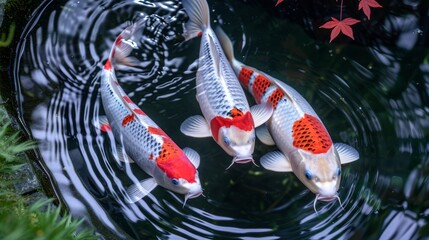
[(304, 143), (227, 116), (140, 139)]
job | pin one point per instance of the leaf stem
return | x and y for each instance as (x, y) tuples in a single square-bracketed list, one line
[(341, 10)]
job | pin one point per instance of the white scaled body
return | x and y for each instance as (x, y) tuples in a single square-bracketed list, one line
[(139, 138)]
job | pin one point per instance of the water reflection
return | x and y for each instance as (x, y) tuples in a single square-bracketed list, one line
[(372, 98)]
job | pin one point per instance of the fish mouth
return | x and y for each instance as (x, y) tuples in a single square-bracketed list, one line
[(190, 195), (241, 160), (326, 199)]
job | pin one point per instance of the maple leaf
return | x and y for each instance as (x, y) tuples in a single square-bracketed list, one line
[(366, 5), (278, 2), (340, 26)]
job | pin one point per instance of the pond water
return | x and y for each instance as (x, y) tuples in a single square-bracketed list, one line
[(373, 98)]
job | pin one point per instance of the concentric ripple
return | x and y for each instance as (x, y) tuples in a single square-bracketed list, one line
[(354, 90)]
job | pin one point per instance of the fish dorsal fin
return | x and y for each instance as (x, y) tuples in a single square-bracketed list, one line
[(346, 153), (226, 43), (215, 55), (261, 113), (138, 191), (264, 135), (193, 156), (276, 161), (196, 126)]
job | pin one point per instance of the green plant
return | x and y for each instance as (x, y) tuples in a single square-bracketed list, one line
[(21, 222), (18, 219)]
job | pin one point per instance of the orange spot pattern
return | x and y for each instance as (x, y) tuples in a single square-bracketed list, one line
[(309, 134), (244, 76), (235, 112), (243, 122), (127, 119), (275, 97), (260, 86), (174, 162)]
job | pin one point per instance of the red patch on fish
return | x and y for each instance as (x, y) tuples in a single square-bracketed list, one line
[(259, 87), (138, 111), (241, 121), (200, 34), (127, 99), (108, 65), (151, 156), (127, 119), (118, 40), (105, 128), (275, 97), (174, 162), (309, 134), (157, 131), (244, 76)]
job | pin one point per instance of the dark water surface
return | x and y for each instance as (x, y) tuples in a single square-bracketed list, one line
[(373, 98)]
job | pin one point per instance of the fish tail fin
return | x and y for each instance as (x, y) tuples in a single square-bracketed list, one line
[(226, 44), (125, 43), (199, 17)]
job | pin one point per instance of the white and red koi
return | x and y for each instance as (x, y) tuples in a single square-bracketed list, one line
[(227, 115), (305, 145), (142, 140)]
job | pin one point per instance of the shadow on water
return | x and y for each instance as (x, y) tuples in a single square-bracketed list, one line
[(373, 97)]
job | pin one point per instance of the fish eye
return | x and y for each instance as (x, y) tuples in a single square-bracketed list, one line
[(175, 181), (308, 175), (226, 141), (338, 172)]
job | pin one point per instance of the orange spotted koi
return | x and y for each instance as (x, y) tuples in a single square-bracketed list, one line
[(305, 145), (140, 138), (227, 116)]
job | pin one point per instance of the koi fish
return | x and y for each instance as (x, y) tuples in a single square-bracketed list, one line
[(227, 116), (143, 141), (305, 145)]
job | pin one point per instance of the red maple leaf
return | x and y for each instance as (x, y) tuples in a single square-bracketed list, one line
[(340, 26), (366, 5), (278, 2)]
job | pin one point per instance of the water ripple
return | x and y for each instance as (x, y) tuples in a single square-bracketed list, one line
[(361, 101)]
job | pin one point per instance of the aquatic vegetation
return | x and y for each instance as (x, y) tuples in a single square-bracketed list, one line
[(6, 40), (18, 219)]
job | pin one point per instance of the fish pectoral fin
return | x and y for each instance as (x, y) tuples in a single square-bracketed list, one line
[(121, 155), (276, 161), (261, 113), (138, 191), (264, 135), (102, 124), (196, 126), (193, 156), (347, 153)]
